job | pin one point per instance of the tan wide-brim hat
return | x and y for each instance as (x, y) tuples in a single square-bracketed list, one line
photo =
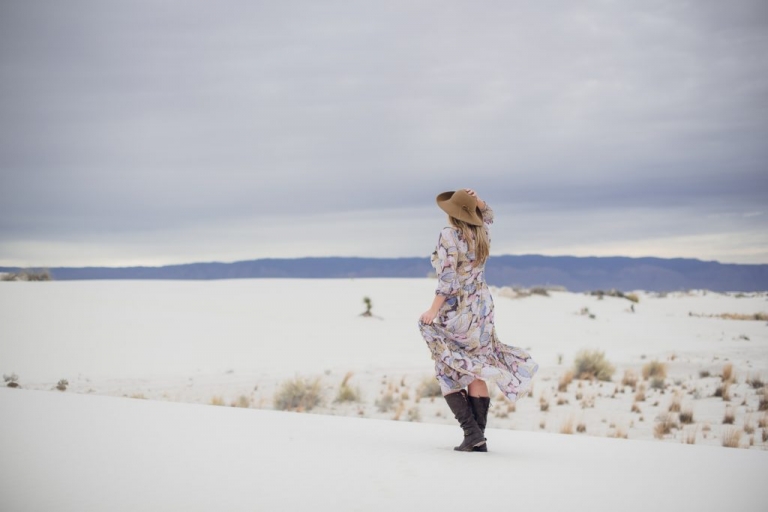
[(460, 205)]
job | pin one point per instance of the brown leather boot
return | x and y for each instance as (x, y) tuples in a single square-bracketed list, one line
[(480, 406), (459, 405)]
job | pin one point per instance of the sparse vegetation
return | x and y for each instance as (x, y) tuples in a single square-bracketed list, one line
[(640, 394), (12, 380), (658, 383), (414, 414), (654, 369), (731, 437), (729, 416), (347, 393), (28, 275), (724, 391), (62, 385), (385, 403), (686, 416), (565, 380), (567, 426), (762, 317), (728, 375), (763, 405), (664, 425), (676, 404), (581, 428), (756, 381), (368, 306), (242, 401), (592, 364), (689, 435), (298, 395), (629, 379), (704, 374), (217, 400), (429, 388)]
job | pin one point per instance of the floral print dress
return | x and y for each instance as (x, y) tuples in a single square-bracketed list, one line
[(462, 338)]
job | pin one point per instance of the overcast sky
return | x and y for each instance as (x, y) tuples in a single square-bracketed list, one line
[(166, 132)]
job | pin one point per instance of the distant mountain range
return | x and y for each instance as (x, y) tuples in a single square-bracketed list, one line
[(574, 273)]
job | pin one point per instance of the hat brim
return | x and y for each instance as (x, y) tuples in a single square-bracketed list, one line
[(454, 210)]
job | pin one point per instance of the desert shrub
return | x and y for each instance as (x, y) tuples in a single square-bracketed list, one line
[(581, 428), (763, 406), (539, 290), (242, 401), (629, 379), (731, 437), (724, 391), (762, 422), (664, 425), (636, 408), (676, 403), (704, 374), (686, 415), (749, 427), (347, 393), (689, 436), (567, 426), (755, 381), (729, 416), (414, 414), (728, 375), (298, 395), (62, 385), (619, 432), (12, 380), (28, 275), (217, 400), (385, 403), (657, 383), (543, 404), (429, 388), (565, 380), (654, 369), (592, 364), (632, 297), (640, 394)]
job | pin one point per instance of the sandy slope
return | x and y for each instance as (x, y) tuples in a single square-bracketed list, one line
[(70, 452)]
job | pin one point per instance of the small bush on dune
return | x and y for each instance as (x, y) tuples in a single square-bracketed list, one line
[(592, 364), (640, 394), (666, 422), (654, 369), (676, 404), (62, 385), (728, 375), (567, 426), (731, 437), (347, 393), (217, 400), (12, 380), (629, 379), (763, 406), (755, 381), (385, 403), (658, 383), (565, 380), (298, 395), (242, 401), (729, 416), (686, 415)]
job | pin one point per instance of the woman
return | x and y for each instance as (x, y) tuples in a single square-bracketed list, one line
[(459, 329)]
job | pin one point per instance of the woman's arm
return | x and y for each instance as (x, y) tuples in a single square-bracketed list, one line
[(429, 315)]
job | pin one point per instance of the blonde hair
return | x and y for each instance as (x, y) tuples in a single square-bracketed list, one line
[(476, 238)]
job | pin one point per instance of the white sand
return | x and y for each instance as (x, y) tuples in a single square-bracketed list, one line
[(238, 340)]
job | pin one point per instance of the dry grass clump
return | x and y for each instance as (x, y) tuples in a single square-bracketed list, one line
[(658, 383), (749, 427), (740, 316), (619, 432), (581, 427), (543, 403), (429, 388), (689, 435), (636, 408), (567, 426), (346, 392), (724, 391), (62, 385), (414, 414), (729, 416), (676, 404), (728, 375), (385, 403), (704, 374), (217, 400), (299, 395), (629, 379), (686, 415), (654, 369), (763, 421), (242, 401), (565, 380), (763, 406), (755, 381), (640, 394), (664, 425), (731, 437), (592, 364)]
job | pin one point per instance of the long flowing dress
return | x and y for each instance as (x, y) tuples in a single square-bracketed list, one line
[(462, 338)]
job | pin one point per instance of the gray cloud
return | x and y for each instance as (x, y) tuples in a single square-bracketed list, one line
[(138, 118)]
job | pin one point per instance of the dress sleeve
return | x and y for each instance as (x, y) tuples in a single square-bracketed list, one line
[(487, 214), (447, 260)]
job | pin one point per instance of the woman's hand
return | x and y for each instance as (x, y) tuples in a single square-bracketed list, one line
[(428, 316), (472, 193)]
